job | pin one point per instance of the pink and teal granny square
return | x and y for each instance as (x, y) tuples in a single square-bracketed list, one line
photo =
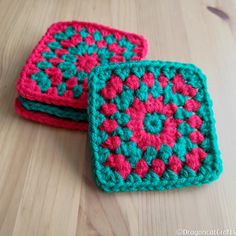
[(151, 127)]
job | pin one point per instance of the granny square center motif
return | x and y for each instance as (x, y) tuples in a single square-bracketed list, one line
[(151, 127)]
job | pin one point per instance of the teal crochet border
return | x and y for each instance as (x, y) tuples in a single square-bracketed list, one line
[(58, 111), (98, 78)]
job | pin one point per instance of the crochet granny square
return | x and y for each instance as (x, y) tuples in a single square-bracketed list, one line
[(57, 70), (53, 83), (151, 127)]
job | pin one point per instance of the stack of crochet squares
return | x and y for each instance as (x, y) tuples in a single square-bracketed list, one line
[(53, 86), (151, 124)]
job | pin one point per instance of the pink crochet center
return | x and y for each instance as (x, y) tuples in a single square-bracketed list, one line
[(29, 89), (140, 136), (44, 118)]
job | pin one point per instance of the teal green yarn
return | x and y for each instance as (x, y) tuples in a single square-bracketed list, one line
[(57, 111), (103, 154), (97, 36), (81, 76), (60, 36), (155, 70), (142, 92), (42, 80), (65, 66), (194, 81), (128, 54), (68, 58), (191, 77), (206, 144), (70, 31), (105, 75), (75, 51), (169, 71), (121, 118), (124, 133), (49, 55), (153, 123), (100, 102), (82, 48), (92, 49), (122, 73), (156, 90), (202, 110), (100, 119), (102, 136), (104, 53), (139, 71), (126, 44), (170, 177), (77, 91), (185, 129), (181, 113), (110, 39), (101, 84), (125, 99), (164, 153), (150, 154), (44, 65), (44, 85), (84, 33), (39, 76), (61, 88), (54, 45), (179, 99), (189, 144), (180, 148), (68, 68), (167, 91), (131, 151), (67, 74)]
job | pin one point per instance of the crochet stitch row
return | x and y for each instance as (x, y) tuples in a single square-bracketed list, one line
[(57, 111), (47, 119)]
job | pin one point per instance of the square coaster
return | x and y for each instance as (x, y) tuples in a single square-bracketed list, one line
[(57, 70), (151, 127)]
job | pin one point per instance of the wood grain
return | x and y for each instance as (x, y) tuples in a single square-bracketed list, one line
[(46, 186)]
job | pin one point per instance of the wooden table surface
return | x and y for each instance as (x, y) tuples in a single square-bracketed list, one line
[(46, 186)]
